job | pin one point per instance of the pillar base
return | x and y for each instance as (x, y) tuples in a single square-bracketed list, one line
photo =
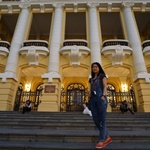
[(49, 107), (143, 95), (109, 108), (7, 94), (51, 96), (8, 75)]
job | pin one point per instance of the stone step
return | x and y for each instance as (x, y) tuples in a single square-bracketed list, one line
[(15, 145), (38, 114), (52, 125), (40, 135), (71, 131)]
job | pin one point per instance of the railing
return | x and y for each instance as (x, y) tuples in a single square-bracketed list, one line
[(5, 44), (35, 43), (23, 96), (115, 42), (75, 42), (115, 98)]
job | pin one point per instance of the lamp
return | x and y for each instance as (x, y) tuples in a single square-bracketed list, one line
[(27, 87)]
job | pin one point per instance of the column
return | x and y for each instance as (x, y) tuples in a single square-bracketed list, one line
[(135, 42), (94, 33), (18, 37), (8, 87), (53, 66), (52, 86), (0, 25), (142, 78)]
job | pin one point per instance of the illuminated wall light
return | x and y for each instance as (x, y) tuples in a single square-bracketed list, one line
[(124, 88), (27, 87)]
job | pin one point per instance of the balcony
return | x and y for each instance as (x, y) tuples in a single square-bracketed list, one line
[(75, 50), (34, 50), (4, 49), (116, 50), (146, 48)]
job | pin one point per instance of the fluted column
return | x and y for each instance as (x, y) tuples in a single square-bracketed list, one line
[(18, 37), (53, 66), (0, 25), (135, 42), (94, 33)]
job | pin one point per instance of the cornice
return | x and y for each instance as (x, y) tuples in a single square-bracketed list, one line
[(107, 5)]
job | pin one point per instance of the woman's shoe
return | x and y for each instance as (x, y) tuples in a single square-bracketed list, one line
[(108, 140), (100, 145)]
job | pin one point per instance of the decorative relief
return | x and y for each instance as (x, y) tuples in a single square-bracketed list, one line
[(33, 52), (116, 50), (74, 52)]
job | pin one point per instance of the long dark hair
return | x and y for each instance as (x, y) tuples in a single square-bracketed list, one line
[(101, 71)]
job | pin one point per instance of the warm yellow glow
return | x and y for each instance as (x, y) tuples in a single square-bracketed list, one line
[(124, 87), (27, 87)]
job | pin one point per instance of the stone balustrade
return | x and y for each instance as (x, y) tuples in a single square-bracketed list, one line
[(74, 50), (4, 49), (116, 50), (34, 50), (146, 48)]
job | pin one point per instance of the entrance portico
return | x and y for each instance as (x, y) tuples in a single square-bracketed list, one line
[(59, 41)]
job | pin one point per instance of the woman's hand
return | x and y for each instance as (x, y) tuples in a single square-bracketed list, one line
[(89, 96), (103, 97)]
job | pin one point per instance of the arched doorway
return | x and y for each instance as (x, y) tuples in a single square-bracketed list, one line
[(115, 98), (73, 98), (23, 96)]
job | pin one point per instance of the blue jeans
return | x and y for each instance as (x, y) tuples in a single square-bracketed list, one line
[(98, 108)]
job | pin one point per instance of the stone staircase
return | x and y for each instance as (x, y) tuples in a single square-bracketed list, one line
[(71, 131)]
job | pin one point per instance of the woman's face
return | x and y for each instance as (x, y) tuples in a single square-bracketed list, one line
[(95, 69)]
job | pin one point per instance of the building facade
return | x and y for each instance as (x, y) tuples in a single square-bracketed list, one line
[(47, 47)]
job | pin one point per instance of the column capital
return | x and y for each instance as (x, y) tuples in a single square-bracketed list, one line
[(93, 5), (58, 5), (25, 4), (127, 4)]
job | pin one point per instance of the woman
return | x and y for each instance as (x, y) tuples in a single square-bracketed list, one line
[(98, 103), (27, 107)]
